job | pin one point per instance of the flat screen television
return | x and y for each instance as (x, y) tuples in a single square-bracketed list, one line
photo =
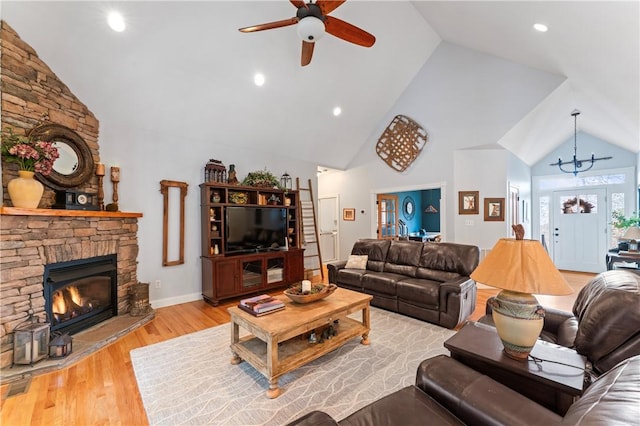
[(254, 229)]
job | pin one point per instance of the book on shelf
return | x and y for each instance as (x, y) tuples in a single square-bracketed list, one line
[(261, 313)]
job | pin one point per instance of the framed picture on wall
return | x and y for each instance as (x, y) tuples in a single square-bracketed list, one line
[(468, 202), (348, 214), (494, 209)]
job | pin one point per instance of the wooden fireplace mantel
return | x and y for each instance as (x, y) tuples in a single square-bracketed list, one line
[(15, 211)]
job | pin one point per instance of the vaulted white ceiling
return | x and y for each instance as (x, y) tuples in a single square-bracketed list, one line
[(182, 68)]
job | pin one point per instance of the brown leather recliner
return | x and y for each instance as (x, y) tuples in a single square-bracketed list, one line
[(447, 392), (605, 325)]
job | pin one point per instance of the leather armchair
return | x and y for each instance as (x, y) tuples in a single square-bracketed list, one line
[(604, 324), (447, 392)]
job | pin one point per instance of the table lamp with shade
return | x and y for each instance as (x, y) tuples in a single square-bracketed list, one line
[(520, 268), (632, 236)]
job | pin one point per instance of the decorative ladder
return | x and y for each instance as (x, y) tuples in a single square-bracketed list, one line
[(309, 229)]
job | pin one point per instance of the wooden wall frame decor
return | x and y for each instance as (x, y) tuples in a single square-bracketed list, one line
[(401, 143), (165, 186), (468, 202), (349, 214), (494, 209)]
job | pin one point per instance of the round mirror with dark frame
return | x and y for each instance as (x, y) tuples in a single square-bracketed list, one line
[(75, 165), (409, 208)]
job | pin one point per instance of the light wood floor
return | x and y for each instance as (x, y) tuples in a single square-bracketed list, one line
[(101, 389)]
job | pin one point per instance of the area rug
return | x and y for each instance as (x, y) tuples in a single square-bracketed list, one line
[(189, 380)]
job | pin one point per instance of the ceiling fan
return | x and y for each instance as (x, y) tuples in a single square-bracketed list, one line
[(312, 20)]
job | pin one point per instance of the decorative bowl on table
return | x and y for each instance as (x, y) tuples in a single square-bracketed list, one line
[(318, 291)]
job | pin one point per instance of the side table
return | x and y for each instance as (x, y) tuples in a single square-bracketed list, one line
[(629, 261), (554, 382)]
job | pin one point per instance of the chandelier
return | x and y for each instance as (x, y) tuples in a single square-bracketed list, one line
[(577, 164)]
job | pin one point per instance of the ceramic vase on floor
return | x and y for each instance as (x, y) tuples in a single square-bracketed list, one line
[(25, 191)]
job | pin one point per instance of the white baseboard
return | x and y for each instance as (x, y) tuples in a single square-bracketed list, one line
[(170, 301)]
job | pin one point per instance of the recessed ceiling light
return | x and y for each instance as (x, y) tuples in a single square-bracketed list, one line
[(337, 111), (541, 27), (116, 21), (258, 79)]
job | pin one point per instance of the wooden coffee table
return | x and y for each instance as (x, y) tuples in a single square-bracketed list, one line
[(278, 342)]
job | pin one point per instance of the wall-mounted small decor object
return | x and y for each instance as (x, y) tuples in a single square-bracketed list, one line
[(74, 167), (167, 188), (494, 209), (349, 214), (431, 209), (401, 143), (408, 208), (468, 202)]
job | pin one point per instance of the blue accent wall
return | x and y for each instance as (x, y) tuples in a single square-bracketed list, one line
[(415, 222), (431, 221), (421, 200)]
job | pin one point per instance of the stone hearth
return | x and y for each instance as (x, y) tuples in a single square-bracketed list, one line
[(84, 344)]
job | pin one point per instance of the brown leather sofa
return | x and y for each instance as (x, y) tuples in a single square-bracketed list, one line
[(605, 323), (425, 280), (447, 392)]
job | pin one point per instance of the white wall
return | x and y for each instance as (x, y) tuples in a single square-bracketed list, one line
[(464, 99), (179, 157), (483, 170), (519, 174)]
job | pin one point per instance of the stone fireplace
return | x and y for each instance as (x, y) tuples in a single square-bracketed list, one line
[(31, 239)]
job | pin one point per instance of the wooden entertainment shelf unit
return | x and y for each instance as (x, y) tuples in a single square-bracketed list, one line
[(227, 275)]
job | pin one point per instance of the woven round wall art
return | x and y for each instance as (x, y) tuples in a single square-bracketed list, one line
[(401, 143)]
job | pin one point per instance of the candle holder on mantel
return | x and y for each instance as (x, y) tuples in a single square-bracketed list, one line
[(100, 172), (115, 179)]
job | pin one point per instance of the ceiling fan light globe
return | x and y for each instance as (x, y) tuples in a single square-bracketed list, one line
[(310, 29)]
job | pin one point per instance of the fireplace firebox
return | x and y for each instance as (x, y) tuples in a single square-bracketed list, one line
[(80, 293)]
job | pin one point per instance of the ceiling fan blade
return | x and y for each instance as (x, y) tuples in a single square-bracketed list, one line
[(307, 53), (299, 3), (328, 6), (346, 31), (269, 25)]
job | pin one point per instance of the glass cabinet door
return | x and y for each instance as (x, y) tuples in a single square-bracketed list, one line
[(251, 273), (275, 270)]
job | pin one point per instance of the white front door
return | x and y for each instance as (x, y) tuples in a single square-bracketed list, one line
[(328, 232), (580, 229)]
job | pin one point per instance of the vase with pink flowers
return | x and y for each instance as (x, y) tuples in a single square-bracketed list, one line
[(32, 156)]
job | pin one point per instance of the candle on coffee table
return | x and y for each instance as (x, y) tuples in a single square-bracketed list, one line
[(306, 286)]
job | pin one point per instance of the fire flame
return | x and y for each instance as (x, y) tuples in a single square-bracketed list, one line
[(75, 295), (61, 305), (58, 306)]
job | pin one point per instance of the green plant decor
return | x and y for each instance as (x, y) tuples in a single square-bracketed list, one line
[(621, 222), (262, 179)]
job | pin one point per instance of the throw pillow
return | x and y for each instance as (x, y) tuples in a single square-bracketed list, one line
[(357, 261)]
